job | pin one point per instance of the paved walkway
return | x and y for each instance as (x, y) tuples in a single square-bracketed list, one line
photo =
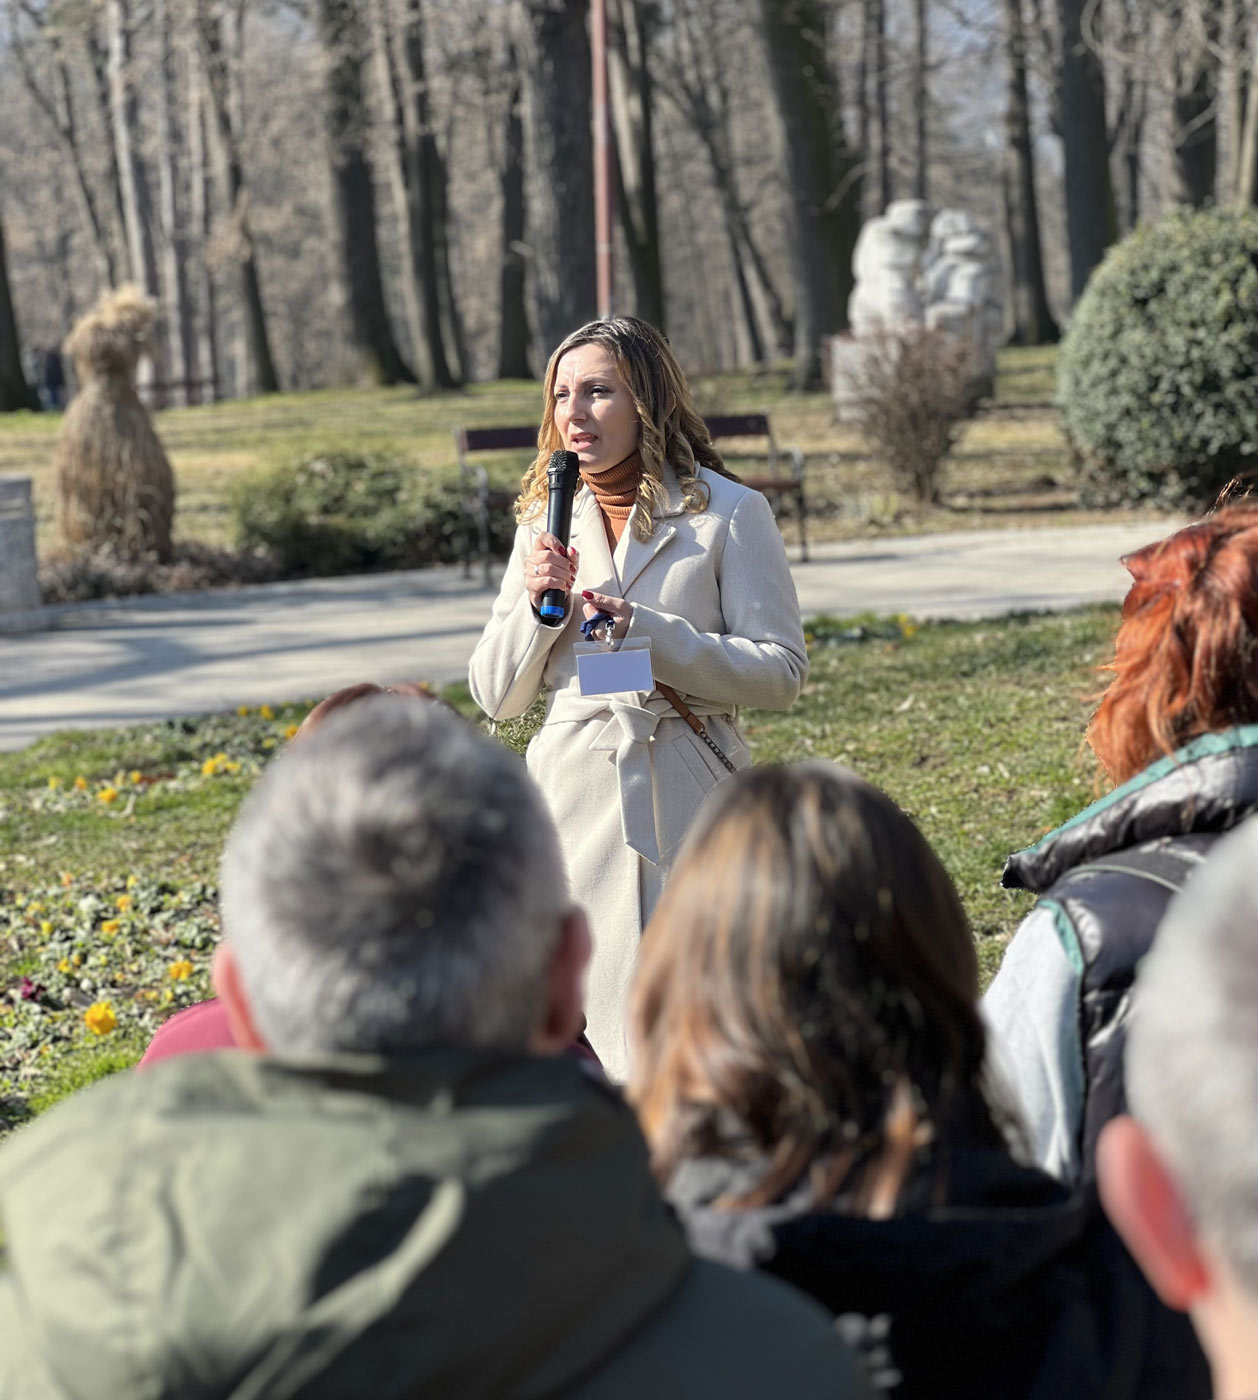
[(146, 658)]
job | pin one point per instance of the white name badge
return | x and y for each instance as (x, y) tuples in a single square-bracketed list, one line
[(603, 672)]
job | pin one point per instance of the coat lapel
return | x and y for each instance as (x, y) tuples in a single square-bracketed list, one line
[(597, 572), (639, 553)]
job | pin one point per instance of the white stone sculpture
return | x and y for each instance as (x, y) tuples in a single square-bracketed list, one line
[(962, 293), (888, 263), (912, 269)]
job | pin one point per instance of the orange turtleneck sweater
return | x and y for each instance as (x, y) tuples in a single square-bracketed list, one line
[(615, 491)]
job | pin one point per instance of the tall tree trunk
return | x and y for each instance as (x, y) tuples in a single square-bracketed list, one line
[(174, 243), (1247, 157), (15, 392), (133, 181), (1091, 220), (1033, 322), (133, 185), (98, 52), (881, 106), (367, 349), (633, 103), (822, 173), (452, 327), (401, 78), (1128, 137), (415, 174), (553, 49), (203, 363), (222, 48), (1195, 133), (921, 98), (746, 303), (513, 322)]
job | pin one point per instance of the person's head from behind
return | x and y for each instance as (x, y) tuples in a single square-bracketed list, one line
[(1179, 1176), (807, 988), (1184, 655), (611, 388), (394, 883)]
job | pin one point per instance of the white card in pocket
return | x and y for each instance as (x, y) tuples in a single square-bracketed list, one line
[(603, 672)]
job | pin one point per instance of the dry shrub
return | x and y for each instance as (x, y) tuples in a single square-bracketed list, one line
[(915, 388), (115, 487), (99, 573)]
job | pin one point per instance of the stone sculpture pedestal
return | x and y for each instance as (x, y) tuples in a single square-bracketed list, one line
[(21, 607)]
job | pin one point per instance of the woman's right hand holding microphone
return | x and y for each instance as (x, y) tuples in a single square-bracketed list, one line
[(550, 565)]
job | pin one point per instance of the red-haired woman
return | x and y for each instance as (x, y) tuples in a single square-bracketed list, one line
[(1177, 733)]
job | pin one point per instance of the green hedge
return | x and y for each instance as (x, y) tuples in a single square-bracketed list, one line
[(1156, 378), (339, 514)]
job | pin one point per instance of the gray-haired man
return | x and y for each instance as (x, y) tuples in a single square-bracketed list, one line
[(1179, 1177), (408, 1191)]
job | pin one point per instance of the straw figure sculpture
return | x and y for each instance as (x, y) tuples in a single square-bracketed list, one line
[(115, 488)]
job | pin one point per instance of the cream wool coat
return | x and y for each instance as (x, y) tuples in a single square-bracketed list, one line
[(623, 774)]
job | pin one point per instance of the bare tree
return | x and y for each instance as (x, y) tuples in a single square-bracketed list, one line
[(174, 244), (15, 392), (56, 99), (1091, 220), (698, 83), (513, 325), (367, 351), (823, 171), (1247, 153), (633, 26), (414, 174), (921, 99), (137, 204), (1195, 55), (1129, 123), (1033, 321), (203, 362), (553, 50), (220, 27)]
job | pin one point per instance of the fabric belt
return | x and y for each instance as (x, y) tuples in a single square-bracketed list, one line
[(627, 736)]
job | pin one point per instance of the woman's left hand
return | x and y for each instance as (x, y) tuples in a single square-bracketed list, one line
[(620, 611)]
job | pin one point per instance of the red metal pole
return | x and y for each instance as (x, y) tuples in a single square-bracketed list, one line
[(603, 156)]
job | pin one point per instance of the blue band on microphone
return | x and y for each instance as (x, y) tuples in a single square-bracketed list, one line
[(550, 610)]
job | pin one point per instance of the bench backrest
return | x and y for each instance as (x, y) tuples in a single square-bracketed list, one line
[(724, 425)]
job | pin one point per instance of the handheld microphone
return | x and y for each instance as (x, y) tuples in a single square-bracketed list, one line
[(562, 474)]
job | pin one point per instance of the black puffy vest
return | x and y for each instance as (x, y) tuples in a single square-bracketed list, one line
[(1107, 876)]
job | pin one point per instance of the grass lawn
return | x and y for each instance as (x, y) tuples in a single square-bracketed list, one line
[(109, 840), (1010, 466)]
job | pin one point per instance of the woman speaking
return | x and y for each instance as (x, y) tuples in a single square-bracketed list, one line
[(674, 561)]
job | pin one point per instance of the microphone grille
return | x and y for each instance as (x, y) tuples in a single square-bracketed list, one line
[(562, 461)]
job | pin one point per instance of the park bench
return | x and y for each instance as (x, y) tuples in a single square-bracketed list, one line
[(781, 478)]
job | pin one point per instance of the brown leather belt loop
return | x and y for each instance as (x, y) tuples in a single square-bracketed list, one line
[(693, 721)]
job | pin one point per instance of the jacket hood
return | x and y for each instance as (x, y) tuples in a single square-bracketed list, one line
[(455, 1223), (1001, 1225), (1003, 1292), (1209, 785)]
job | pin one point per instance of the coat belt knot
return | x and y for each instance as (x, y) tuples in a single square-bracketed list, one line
[(629, 732)]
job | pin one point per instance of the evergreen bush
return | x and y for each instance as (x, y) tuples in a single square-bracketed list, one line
[(339, 513), (1156, 378)]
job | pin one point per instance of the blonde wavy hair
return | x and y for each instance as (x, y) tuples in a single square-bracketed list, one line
[(671, 430)]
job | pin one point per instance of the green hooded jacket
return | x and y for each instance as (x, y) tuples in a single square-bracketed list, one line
[(455, 1223)]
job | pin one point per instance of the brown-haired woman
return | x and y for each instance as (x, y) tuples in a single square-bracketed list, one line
[(809, 1072), (676, 552)]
